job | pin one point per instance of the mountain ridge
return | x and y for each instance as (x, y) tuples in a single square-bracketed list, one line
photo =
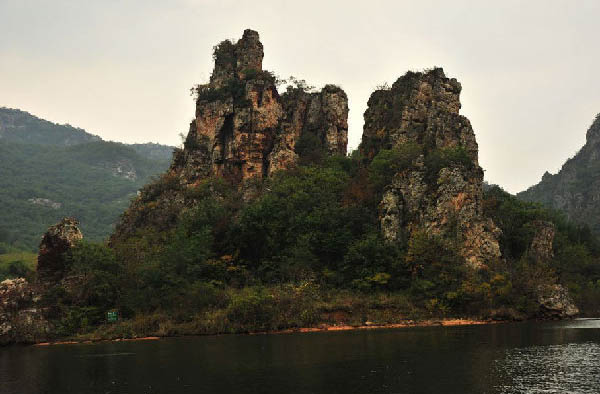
[(575, 188), (51, 170)]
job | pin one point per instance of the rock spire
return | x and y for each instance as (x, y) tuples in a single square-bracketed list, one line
[(441, 191)]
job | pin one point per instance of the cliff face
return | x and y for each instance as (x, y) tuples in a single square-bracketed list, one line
[(441, 191), (575, 190), (243, 129)]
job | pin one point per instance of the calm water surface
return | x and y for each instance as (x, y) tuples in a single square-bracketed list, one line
[(558, 357)]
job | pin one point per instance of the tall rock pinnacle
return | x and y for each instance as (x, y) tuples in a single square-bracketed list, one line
[(441, 191), (243, 128), (234, 60)]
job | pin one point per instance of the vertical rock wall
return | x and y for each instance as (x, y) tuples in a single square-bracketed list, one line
[(422, 109), (243, 128)]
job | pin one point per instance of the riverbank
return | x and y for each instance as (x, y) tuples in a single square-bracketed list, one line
[(444, 322)]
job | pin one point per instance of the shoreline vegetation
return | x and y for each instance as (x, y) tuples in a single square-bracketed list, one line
[(324, 327), (201, 277)]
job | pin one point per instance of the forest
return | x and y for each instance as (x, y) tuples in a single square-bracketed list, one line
[(308, 250)]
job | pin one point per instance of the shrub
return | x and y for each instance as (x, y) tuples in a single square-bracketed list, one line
[(310, 149), (389, 162), (446, 157), (252, 309)]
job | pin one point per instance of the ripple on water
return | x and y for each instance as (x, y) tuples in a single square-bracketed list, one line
[(568, 368)]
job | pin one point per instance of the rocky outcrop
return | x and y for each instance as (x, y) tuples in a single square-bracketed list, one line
[(419, 108), (575, 189), (553, 299), (23, 317), (555, 302), (243, 130), (541, 244), (55, 243), (441, 191), (322, 115)]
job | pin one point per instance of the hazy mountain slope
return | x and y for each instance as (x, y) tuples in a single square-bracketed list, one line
[(575, 189), (151, 150), (50, 171), (21, 126)]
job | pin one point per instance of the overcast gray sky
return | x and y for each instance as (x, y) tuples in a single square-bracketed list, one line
[(123, 69)]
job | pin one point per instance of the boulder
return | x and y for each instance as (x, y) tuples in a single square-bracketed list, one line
[(55, 243), (21, 318), (555, 302)]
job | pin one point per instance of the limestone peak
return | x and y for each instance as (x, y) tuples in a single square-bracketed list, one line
[(235, 60)]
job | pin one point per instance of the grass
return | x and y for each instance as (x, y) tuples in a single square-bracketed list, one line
[(269, 309), (29, 260)]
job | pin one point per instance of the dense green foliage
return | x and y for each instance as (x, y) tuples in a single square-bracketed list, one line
[(80, 178), (15, 263), (577, 251), (308, 249), (70, 172), (20, 126)]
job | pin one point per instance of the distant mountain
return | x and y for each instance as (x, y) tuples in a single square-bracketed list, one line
[(50, 171), (154, 151), (575, 189), (21, 126)]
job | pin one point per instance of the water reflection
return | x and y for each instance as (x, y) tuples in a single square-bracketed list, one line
[(565, 368)]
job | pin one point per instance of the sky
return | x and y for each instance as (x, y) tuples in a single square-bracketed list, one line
[(123, 69)]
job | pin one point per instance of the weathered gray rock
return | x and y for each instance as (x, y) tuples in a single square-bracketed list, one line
[(543, 238), (324, 114), (420, 107), (555, 302), (55, 243), (243, 130), (553, 299), (423, 109), (21, 317)]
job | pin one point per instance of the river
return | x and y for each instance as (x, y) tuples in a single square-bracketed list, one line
[(551, 357)]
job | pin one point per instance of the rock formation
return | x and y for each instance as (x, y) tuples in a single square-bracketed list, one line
[(575, 189), (441, 191), (555, 302), (243, 129), (55, 243), (23, 317), (553, 299), (541, 244)]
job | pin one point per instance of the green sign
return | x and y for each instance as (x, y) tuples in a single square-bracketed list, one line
[(112, 316)]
